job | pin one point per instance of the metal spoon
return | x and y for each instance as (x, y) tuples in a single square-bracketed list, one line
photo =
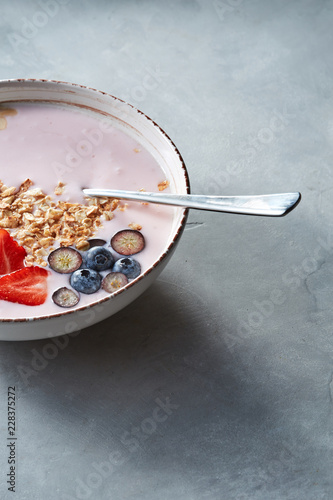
[(274, 205)]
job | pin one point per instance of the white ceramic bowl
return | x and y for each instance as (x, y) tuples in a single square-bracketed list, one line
[(155, 141)]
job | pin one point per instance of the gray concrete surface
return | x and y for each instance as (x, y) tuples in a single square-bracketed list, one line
[(217, 382)]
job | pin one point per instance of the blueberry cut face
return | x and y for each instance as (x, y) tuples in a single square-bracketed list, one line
[(65, 260), (128, 242), (114, 281), (65, 297), (128, 266), (99, 258), (86, 281)]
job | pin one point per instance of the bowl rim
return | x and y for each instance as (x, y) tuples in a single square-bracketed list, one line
[(180, 226)]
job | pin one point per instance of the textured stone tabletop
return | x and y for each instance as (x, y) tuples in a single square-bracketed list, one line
[(217, 382)]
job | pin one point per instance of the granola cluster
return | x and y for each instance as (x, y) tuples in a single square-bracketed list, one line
[(38, 222), (3, 113), (163, 185)]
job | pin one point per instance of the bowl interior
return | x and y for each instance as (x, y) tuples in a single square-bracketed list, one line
[(122, 116), (115, 111)]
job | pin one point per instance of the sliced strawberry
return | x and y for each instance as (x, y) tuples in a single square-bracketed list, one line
[(11, 254), (27, 286)]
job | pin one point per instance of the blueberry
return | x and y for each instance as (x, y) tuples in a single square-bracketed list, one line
[(99, 259), (113, 281), (64, 297), (128, 242), (96, 242), (65, 260), (86, 280), (128, 266)]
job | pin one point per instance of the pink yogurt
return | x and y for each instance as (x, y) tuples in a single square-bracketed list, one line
[(48, 144)]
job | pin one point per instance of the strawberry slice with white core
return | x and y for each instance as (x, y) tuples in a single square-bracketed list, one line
[(27, 286), (11, 254)]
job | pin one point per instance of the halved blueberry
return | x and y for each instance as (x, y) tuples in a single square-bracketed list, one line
[(65, 260), (86, 281), (65, 297), (96, 242), (113, 281), (128, 266), (128, 242)]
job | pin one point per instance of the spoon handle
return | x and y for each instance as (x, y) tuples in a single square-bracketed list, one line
[(274, 205)]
